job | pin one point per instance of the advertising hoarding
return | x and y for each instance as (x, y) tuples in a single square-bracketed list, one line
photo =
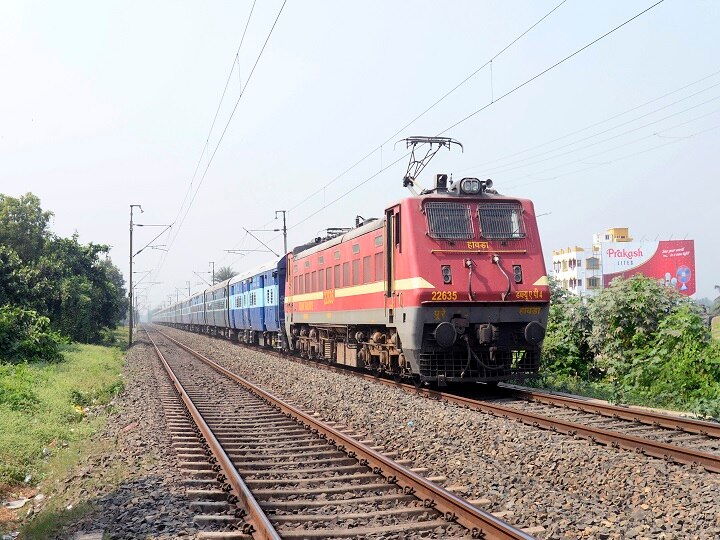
[(672, 262)]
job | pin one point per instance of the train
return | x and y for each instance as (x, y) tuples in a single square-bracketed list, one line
[(449, 286)]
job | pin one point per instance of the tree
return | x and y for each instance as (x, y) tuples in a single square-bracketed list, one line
[(15, 285), (223, 273), (24, 225), (83, 295)]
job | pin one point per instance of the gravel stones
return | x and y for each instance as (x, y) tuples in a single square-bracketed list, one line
[(536, 478)]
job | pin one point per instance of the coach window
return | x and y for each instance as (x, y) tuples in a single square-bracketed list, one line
[(307, 283), (356, 272), (336, 272), (314, 286), (346, 274), (367, 269)]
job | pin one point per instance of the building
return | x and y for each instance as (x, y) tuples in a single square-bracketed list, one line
[(585, 271)]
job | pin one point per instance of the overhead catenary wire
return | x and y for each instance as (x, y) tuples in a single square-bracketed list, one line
[(625, 144), (618, 115), (550, 68), (423, 113), (227, 124), (222, 135), (217, 111), (172, 240), (507, 168), (506, 94), (431, 107), (627, 156), (504, 167)]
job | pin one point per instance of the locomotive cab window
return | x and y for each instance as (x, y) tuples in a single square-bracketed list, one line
[(449, 221), (501, 220)]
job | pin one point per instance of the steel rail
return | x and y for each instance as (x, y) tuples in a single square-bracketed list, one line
[(259, 524), (481, 524), (691, 425), (710, 462), (616, 439)]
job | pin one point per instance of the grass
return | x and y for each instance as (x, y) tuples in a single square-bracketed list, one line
[(48, 410)]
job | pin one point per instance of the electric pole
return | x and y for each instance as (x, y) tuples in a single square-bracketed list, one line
[(130, 291), (284, 229), (212, 263)]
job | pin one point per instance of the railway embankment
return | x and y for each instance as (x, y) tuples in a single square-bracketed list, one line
[(558, 485), (116, 477)]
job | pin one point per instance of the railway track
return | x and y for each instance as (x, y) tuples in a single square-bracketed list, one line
[(673, 438), (289, 475), (682, 440)]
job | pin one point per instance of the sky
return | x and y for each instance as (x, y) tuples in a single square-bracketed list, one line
[(108, 104)]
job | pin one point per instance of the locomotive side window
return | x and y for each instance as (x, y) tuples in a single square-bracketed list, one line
[(449, 221), (307, 283), (367, 269), (314, 282), (336, 271), (346, 274), (379, 266), (501, 220), (356, 272), (328, 278)]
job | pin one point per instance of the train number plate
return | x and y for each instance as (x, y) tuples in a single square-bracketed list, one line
[(444, 295)]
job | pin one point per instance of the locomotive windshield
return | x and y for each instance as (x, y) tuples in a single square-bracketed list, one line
[(449, 221), (501, 220)]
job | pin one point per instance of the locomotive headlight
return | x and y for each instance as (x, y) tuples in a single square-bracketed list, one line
[(517, 273), (446, 274), (470, 186)]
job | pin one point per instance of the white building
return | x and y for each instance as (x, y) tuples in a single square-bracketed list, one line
[(579, 270)]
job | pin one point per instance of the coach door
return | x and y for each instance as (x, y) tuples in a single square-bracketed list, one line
[(392, 249)]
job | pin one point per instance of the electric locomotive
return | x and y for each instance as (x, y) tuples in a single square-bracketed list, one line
[(449, 286)]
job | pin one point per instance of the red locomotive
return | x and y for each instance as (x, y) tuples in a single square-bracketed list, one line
[(449, 286)]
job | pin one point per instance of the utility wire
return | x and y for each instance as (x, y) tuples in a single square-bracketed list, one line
[(591, 125), (594, 166), (503, 167), (548, 69), (431, 107), (625, 144), (222, 135), (227, 124), (217, 111), (506, 94), (416, 118)]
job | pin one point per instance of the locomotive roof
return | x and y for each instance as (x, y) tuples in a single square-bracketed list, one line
[(354, 233)]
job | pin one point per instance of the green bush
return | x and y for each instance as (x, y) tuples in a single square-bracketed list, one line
[(26, 336)]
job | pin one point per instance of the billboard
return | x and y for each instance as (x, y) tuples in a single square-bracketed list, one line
[(672, 262)]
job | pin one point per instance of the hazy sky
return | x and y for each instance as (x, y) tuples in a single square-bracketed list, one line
[(107, 104)]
